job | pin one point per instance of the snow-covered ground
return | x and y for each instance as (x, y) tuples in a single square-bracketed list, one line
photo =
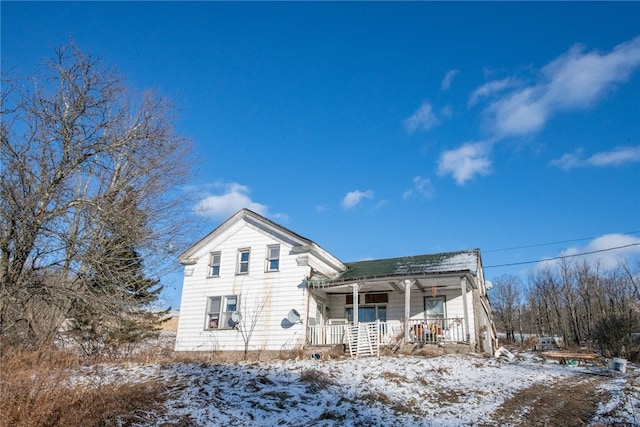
[(451, 390)]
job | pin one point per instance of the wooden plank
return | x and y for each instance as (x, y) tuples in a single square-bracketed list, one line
[(579, 357), (585, 356)]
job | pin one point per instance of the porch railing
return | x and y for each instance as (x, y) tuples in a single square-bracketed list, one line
[(420, 331), (449, 330)]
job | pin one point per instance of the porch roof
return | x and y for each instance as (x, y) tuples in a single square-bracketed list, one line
[(441, 264)]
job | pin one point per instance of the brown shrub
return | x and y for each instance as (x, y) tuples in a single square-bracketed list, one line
[(40, 389)]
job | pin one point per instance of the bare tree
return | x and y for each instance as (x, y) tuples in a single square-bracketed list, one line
[(568, 295), (505, 300), (590, 295), (250, 313), (85, 196), (586, 304)]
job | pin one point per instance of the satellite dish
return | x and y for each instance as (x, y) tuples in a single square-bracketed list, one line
[(236, 317), (488, 284), (293, 316)]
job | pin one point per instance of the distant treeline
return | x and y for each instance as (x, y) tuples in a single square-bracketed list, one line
[(583, 303)]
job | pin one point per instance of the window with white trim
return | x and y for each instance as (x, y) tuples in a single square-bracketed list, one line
[(243, 261), (435, 313), (214, 264), (374, 307), (368, 313), (273, 258), (219, 311), (435, 308)]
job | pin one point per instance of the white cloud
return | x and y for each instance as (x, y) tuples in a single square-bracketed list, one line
[(422, 119), (421, 187), (617, 156), (519, 113), (466, 162), (380, 205), (353, 198), (448, 79), (233, 198), (446, 111), (601, 250), (574, 81), (578, 79), (514, 106), (487, 90), (570, 160)]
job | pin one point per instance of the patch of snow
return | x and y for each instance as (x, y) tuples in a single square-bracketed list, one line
[(451, 390), (623, 408)]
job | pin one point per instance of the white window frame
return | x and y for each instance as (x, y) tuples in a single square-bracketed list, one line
[(438, 316), (241, 262), (348, 311), (220, 318), (213, 265), (272, 258)]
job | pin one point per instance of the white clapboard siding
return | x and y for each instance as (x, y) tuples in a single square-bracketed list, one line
[(279, 292)]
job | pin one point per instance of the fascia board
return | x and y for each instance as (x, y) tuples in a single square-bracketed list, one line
[(279, 234), (187, 257), (324, 262)]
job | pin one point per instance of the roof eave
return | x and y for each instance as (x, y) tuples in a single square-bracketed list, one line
[(468, 274), (251, 218)]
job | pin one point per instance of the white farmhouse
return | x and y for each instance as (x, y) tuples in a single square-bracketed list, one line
[(253, 285)]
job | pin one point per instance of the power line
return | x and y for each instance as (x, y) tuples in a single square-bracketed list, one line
[(550, 243), (560, 257)]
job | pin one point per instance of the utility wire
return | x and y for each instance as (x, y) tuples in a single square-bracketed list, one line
[(550, 243), (560, 257)]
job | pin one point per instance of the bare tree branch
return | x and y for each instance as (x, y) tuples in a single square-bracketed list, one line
[(86, 191)]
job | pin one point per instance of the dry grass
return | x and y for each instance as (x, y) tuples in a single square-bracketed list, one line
[(315, 379), (38, 389), (158, 350)]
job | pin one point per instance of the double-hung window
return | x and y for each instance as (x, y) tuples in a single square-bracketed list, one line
[(368, 313), (243, 261), (374, 307), (273, 258), (214, 264), (219, 311)]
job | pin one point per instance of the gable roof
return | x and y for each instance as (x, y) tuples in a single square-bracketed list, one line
[(249, 217), (300, 244), (466, 262), (463, 262)]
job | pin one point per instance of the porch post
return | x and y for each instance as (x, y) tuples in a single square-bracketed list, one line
[(355, 304), (407, 308), (463, 286)]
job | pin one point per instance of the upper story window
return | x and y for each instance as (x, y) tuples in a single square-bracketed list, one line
[(214, 264), (273, 258), (243, 261)]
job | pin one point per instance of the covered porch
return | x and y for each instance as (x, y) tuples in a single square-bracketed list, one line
[(436, 298), (419, 309)]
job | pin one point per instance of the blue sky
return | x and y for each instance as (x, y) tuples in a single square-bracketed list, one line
[(388, 129)]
